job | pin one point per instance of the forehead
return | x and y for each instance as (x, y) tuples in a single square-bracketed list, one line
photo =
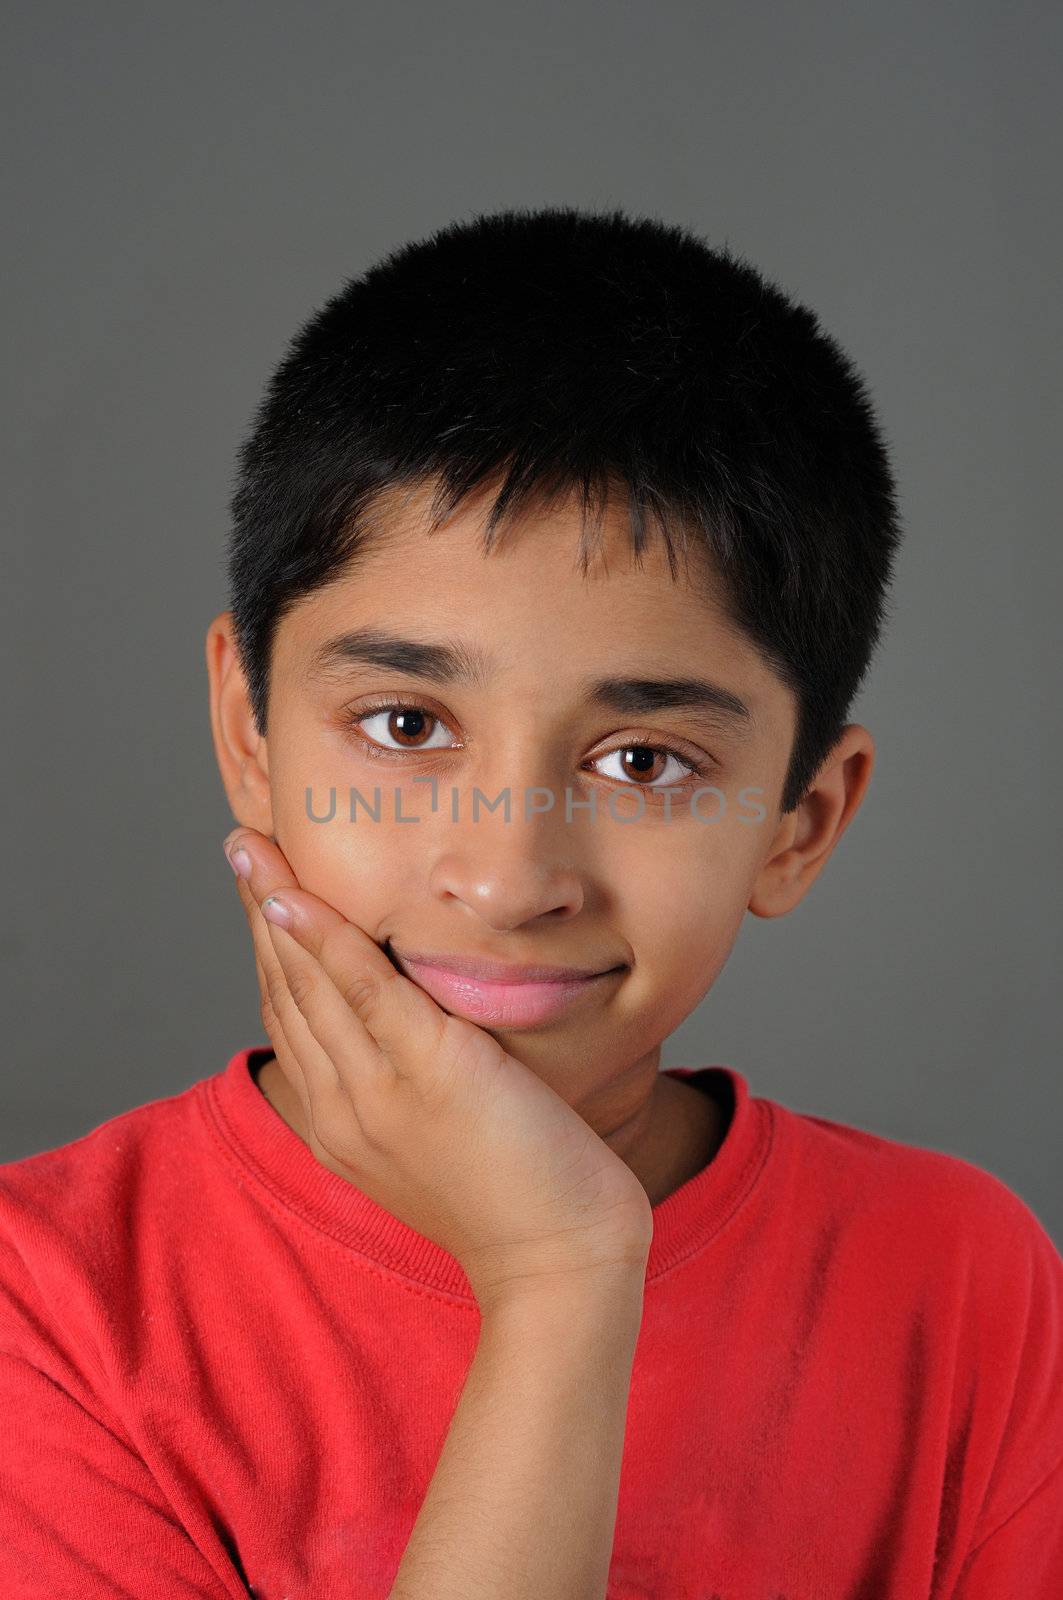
[(528, 612)]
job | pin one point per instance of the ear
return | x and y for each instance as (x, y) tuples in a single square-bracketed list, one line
[(805, 837), (241, 752)]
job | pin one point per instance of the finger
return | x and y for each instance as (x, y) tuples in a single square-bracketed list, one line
[(308, 1069), (286, 1058), (314, 1070), (336, 973), (392, 1009), (295, 1075), (264, 854), (265, 866)]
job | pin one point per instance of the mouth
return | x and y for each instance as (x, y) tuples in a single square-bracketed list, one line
[(504, 996)]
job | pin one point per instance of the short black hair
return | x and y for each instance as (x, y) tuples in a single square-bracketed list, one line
[(559, 350)]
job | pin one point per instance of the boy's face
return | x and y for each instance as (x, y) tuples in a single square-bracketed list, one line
[(660, 892)]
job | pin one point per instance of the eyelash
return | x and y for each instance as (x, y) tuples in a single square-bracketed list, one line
[(698, 768)]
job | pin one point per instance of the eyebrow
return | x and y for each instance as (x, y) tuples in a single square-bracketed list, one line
[(452, 661)]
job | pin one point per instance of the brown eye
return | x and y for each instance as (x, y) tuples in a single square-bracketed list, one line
[(409, 727), (645, 766), (639, 761)]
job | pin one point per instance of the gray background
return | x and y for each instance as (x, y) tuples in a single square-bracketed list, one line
[(189, 184)]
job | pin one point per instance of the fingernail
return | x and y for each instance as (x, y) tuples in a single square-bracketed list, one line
[(275, 910), (240, 862)]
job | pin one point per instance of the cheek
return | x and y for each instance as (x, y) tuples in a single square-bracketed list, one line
[(348, 865), (682, 905)]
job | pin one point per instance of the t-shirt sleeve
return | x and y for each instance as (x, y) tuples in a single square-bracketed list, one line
[(1024, 1556), (80, 1513), (1016, 1546)]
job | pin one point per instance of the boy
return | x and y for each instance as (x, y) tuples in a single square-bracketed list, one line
[(451, 1291)]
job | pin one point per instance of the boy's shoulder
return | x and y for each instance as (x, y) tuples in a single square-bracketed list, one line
[(104, 1154), (78, 1211), (913, 1193), (949, 1250)]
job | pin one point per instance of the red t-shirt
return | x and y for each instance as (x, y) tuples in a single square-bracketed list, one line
[(225, 1371)]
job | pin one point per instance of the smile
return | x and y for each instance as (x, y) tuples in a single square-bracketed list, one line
[(501, 1003)]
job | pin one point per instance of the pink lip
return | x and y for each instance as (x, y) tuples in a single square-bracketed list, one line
[(522, 1002), (496, 971)]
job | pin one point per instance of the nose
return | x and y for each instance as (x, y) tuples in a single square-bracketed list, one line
[(509, 876)]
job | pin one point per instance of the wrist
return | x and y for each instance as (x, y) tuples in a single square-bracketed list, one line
[(606, 1291)]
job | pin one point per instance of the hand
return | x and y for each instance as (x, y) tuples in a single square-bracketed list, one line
[(426, 1113)]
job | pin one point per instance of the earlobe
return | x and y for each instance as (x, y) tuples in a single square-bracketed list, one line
[(779, 884), (800, 851), (778, 890)]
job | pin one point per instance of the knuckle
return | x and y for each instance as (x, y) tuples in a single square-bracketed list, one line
[(373, 1115), (336, 1127), (302, 987), (273, 980), (362, 992)]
